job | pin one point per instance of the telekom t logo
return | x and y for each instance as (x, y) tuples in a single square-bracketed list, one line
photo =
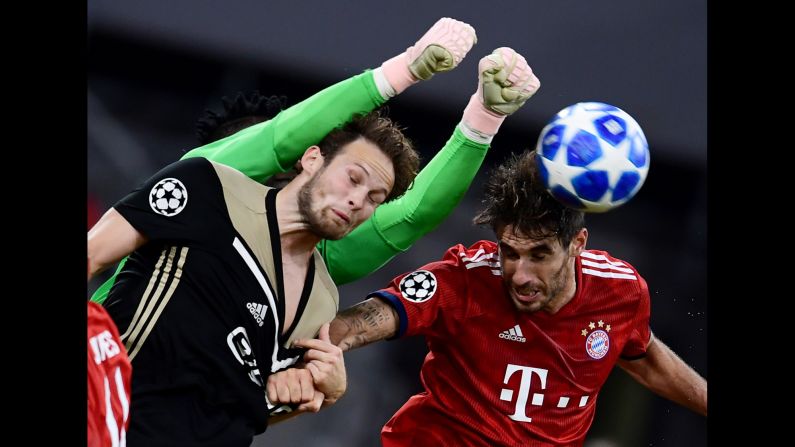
[(524, 389)]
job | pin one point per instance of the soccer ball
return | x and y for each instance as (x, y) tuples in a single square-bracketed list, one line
[(592, 156)]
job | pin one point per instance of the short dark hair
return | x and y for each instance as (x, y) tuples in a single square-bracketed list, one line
[(244, 110), (515, 195), (384, 133)]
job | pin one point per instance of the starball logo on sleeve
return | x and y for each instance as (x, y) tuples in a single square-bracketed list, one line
[(168, 197), (418, 286)]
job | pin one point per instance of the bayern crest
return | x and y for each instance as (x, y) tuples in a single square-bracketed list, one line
[(418, 286), (597, 344)]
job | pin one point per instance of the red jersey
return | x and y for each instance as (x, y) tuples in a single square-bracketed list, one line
[(109, 375), (498, 376)]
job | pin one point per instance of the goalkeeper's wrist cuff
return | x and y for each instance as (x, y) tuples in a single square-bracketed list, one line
[(478, 123), (382, 84), (397, 74)]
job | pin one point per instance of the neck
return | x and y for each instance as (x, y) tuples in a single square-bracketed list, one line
[(296, 237)]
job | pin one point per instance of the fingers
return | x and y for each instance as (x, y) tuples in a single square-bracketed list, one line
[(315, 404), (323, 333), (325, 364), (318, 374), (330, 378), (323, 356), (322, 343), (291, 386)]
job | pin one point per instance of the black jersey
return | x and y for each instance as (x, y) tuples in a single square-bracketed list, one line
[(200, 306)]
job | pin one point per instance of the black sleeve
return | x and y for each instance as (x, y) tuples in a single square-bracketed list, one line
[(183, 202)]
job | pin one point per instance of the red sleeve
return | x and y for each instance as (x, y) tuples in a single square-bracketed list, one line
[(109, 376), (428, 300), (641, 333)]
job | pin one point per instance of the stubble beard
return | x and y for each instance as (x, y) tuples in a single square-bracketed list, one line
[(317, 225), (554, 290)]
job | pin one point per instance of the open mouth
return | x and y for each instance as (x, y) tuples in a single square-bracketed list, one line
[(528, 297)]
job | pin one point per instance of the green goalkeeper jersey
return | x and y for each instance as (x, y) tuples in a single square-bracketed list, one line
[(273, 146)]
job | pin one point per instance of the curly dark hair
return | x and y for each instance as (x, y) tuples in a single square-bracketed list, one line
[(515, 195), (242, 111), (384, 133)]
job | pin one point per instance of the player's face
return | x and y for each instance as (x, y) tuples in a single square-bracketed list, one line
[(537, 273), (345, 192)]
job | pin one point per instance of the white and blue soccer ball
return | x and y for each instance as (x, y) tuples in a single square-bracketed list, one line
[(592, 156)]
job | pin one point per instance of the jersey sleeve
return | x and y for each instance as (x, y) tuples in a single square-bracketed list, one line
[(428, 300), (396, 225), (264, 149), (641, 332), (183, 202)]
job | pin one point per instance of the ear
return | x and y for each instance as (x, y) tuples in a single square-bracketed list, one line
[(312, 160), (578, 243)]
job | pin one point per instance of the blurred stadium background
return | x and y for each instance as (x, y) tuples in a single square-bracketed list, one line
[(154, 66)]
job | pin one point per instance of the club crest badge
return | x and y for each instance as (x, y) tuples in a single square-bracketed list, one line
[(597, 342)]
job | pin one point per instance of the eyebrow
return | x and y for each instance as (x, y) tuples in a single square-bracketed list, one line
[(362, 166), (544, 248), (504, 245), (541, 248), (383, 190)]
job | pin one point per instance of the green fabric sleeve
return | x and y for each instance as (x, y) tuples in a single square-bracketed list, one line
[(396, 225), (273, 146), (101, 294)]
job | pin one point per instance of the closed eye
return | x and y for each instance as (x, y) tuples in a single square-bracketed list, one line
[(376, 199)]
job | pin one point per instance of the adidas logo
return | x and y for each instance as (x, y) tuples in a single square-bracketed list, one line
[(258, 311), (513, 334)]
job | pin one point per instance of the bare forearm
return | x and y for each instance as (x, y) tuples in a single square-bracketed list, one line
[(109, 240), (667, 375), (367, 322)]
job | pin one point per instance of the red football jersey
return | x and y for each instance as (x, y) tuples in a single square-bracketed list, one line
[(109, 375), (497, 376)]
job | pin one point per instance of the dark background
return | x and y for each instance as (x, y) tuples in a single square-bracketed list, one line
[(154, 66)]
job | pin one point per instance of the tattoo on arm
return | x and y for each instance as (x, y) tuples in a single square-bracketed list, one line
[(364, 323)]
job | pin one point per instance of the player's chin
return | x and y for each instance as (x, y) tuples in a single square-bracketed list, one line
[(524, 307), (334, 232)]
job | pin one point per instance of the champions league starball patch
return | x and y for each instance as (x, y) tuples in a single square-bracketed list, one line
[(168, 197), (418, 286), (597, 344)]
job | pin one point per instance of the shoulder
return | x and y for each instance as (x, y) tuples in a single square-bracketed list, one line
[(238, 185), (192, 174), (468, 268), (600, 269), (480, 254), (603, 260)]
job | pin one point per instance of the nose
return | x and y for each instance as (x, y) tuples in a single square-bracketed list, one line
[(523, 274), (356, 198)]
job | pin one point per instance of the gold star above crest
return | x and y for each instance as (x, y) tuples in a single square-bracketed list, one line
[(601, 323), (607, 328), (584, 332), (591, 325)]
